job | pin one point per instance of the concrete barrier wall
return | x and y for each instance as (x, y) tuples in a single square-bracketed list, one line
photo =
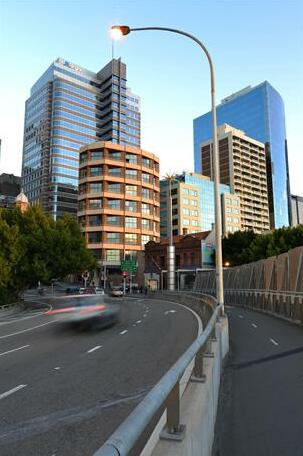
[(198, 406)]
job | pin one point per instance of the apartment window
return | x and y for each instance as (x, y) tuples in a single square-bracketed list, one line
[(146, 193), (236, 220), (131, 158), (131, 222), (144, 239), (236, 202), (94, 220), (113, 204), (94, 204), (131, 206), (114, 155), (227, 200), (185, 211), (228, 209), (145, 177), (229, 219), (96, 155), (236, 211), (131, 174), (113, 220), (195, 223), (83, 157), (93, 238), (194, 213), (194, 203), (95, 187), (145, 224), (114, 172), (185, 201), (193, 193), (185, 222), (113, 238), (130, 255), (95, 170), (113, 256), (130, 238), (185, 191), (146, 162), (131, 190), (114, 188), (146, 208)]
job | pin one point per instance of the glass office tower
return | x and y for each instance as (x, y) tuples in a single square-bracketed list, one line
[(259, 111), (69, 107)]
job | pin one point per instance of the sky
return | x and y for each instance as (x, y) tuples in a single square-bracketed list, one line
[(250, 41)]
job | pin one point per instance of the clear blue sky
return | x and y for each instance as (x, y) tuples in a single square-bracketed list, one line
[(250, 40)]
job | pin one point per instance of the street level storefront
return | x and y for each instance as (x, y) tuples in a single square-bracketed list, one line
[(193, 252)]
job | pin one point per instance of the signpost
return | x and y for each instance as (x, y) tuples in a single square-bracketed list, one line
[(128, 266)]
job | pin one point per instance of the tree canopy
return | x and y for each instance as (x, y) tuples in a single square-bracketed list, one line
[(34, 247), (245, 246)]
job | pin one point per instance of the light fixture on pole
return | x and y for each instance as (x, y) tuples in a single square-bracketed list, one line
[(171, 262), (117, 32)]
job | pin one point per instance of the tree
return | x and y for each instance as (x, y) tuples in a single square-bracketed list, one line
[(234, 247)]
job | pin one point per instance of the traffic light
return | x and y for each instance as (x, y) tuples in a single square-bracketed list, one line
[(125, 274)]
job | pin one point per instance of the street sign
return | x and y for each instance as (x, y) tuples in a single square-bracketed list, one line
[(129, 266)]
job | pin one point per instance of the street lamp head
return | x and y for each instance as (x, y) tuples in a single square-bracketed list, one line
[(117, 31)]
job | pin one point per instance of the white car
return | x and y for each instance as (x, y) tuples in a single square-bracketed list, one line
[(99, 291), (117, 292)]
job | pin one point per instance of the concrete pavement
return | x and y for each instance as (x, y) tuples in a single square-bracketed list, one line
[(261, 398), (63, 393)]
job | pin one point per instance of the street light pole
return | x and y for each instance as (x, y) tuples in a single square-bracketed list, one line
[(171, 263), (120, 30)]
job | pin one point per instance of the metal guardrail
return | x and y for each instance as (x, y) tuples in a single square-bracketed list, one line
[(165, 394)]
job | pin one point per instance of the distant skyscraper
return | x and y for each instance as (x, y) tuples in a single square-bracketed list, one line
[(296, 210), (69, 107), (259, 111), (242, 167)]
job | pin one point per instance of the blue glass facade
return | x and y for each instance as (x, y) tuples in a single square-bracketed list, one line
[(259, 112)]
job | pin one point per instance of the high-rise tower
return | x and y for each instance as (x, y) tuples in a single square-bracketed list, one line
[(69, 107), (259, 111)]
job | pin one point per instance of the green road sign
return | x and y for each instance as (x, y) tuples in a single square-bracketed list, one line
[(129, 265)]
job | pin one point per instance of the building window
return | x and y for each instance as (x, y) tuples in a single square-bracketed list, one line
[(95, 187), (130, 255), (93, 238), (185, 211), (114, 188), (114, 155), (236, 211), (185, 201), (229, 219), (94, 204), (113, 256), (131, 206), (227, 200), (96, 155), (145, 224), (146, 208), (194, 203), (144, 239), (131, 158), (94, 220), (95, 170), (146, 162), (185, 191), (145, 177), (131, 222), (194, 193), (236, 220), (113, 220), (114, 172), (194, 213), (131, 174), (131, 190), (146, 193), (195, 223), (228, 209), (130, 238), (113, 204), (185, 222), (113, 238)]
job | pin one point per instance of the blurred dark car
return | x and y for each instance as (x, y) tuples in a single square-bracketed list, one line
[(86, 313)]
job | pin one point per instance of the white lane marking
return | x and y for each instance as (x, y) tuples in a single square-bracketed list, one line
[(273, 341), (240, 316), (145, 315), (170, 312), (16, 320), (123, 332), (13, 350), (14, 390), (138, 322), (28, 329), (254, 325), (57, 368), (94, 349)]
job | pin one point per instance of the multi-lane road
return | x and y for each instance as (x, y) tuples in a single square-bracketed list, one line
[(261, 409), (64, 392)]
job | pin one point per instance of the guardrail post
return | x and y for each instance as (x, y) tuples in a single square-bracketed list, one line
[(173, 430), (198, 375)]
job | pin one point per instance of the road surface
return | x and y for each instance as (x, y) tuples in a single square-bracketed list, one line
[(261, 401), (64, 393)]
